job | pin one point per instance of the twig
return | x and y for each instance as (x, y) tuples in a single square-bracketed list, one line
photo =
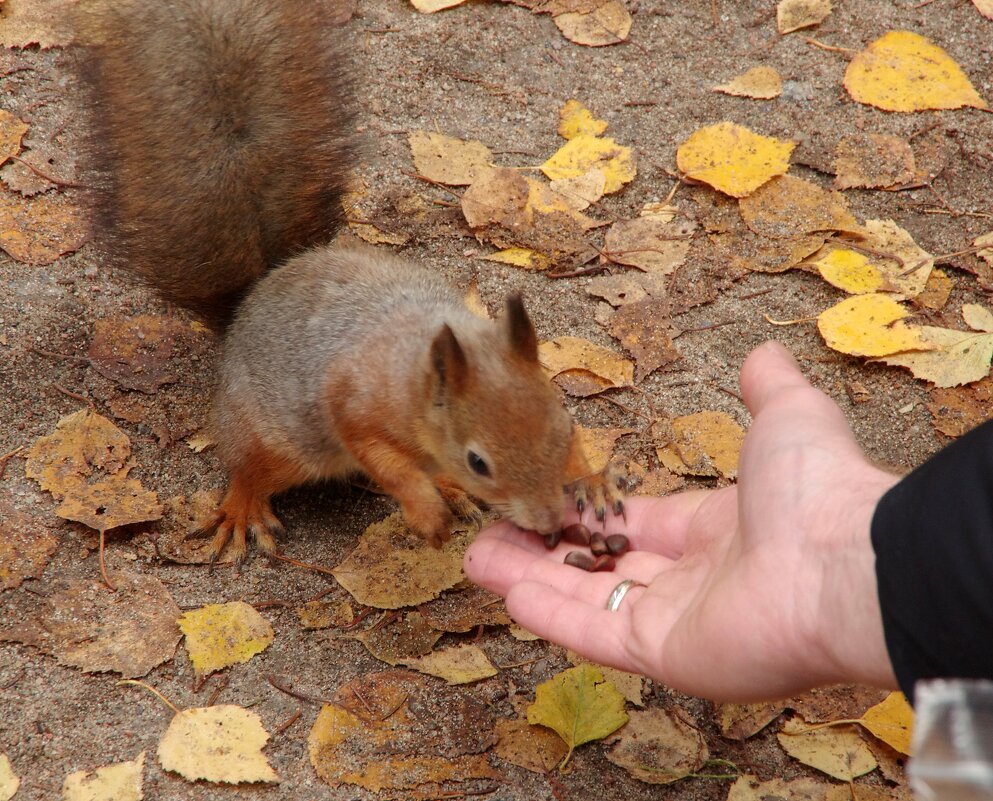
[(305, 565), (153, 691), (7, 457), (289, 722), (221, 687), (103, 565), (831, 48), (431, 181), (300, 696), (49, 178), (76, 395)]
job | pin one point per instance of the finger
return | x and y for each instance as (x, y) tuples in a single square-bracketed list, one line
[(588, 629), (768, 371)]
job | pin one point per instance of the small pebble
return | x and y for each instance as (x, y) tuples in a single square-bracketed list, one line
[(617, 544), (579, 559), (553, 539), (598, 544), (603, 562), (577, 534)]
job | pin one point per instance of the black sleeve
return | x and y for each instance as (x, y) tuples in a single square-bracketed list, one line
[(933, 538)]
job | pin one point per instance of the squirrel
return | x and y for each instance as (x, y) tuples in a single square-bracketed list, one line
[(219, 152)]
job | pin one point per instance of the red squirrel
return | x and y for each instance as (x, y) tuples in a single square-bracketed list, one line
[(219, 152)]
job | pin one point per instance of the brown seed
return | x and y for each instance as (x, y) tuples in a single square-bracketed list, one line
[(598, 544), (617, 544), (577, 534), (603, 562), (579, 559), (553, 539)]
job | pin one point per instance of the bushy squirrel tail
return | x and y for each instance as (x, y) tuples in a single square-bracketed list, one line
[(219, 140)]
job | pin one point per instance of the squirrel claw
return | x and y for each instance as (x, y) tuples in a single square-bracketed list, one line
[(606, 487), (231, 525)]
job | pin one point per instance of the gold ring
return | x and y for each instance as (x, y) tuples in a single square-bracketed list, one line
[(615, 597)]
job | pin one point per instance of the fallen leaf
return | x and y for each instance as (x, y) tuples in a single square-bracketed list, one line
[(119, 782), (404, 638), (375, 235), (25, 546), (87, 626), (533, 748), (792, 15), (955, 357), (658, 748), (9, 782), (581, 191), (903, 71), (220, 743), (984, 7), (751, 788), (598, 444), (955, 411), (873, 161), (464, 610), (584, 368), (892, 721), (746, 250), (576, 120), (41, 229), (986, 243), (787, 207), (392, 567), (221, 635), (460, 664), (705, 444), (937, 290), (838, 751), (520, 257), (607, 24), (741, 721), (584, 152), (12, 130), (733, 159), (109, 503), (851, 271), (579, 705), (397, 730), (134, 352), (316, 615), (836, 702), (430, 6), (46, 23), (759, 83), (448, 160), (870, 325), (645, 330), (649, 244)]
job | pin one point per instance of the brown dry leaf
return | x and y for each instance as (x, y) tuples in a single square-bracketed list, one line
[(391, 567), (448, 160), (46, 23), (984, 7), (466, 609), (789, 207), (957, 410), (705, 444), (18, 176), (533, 748), (9, 782), (903, 71), (741, 721), (608, 23), (374, 235), (645, 330), (581, 191), (221, 635), (656, 747), (380, 743), (401, 639), (584, 368), (598, 444), (873, 161), (733, 159), (12, 130), (182, 518), (217, 744), (839, 702), (937, 290), (110, 502), (134, 352), (838, 751), (649, 244), (657, 483), (460, 664), (986, 243), (90, 627), (316, 615), (759, 83), (41, 229), (745, 250), (119, 782), (751, 788), (25, 546), (620, 288), (792, 15)]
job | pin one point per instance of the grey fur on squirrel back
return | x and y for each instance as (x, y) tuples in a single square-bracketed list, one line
[(220, 140)]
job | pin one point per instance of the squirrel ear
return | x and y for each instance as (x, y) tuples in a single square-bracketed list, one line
[(520, 330), (449, 360)]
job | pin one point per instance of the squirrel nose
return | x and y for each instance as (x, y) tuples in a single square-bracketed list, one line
[(543, 519)]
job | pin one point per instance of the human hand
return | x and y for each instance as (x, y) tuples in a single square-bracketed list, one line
[(754, 591)]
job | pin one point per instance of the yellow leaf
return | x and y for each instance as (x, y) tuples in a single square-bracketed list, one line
[(955, 357), (8, 780), (579, 706), (119, 782), (977, 317), (607, 24), (220, 635), (869, 325), (759, 83), (217, 743), (585, 367), (575, 119), (903, 71), (520, 257), (585, 151), (448, 160), (704, 444), (792, 15), (892, 721), (582, 190), (733, 159), (598, 444), (838, 751), (461, 664), (850, 271)]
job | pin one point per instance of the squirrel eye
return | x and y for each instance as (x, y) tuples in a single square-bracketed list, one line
[(477, 464)]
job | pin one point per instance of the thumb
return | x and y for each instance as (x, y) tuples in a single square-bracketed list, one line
[(769, 371)]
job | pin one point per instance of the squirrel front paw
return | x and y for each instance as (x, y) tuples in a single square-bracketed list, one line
[(600, 490), (433, 521)]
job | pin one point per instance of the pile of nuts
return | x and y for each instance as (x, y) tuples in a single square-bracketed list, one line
[(604, 549)]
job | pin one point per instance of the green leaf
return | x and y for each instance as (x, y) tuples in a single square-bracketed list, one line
[(579, 705)]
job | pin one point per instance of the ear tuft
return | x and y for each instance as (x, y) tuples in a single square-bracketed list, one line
[(449, 361), (520, 330)]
